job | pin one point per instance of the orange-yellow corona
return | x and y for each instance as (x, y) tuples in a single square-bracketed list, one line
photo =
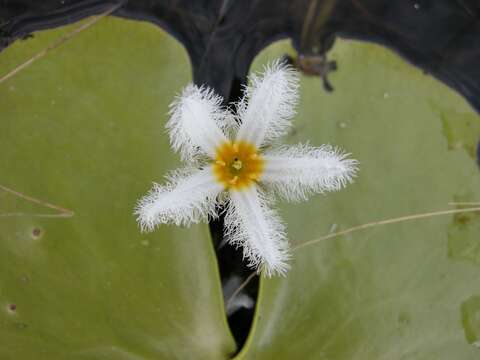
[(237, 164)]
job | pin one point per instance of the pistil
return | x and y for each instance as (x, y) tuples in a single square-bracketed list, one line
[(237, 164)]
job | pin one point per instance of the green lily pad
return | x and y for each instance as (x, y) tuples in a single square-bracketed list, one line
[(83, 128), (408, 290)]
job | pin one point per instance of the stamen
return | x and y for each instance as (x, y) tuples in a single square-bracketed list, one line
[(253, 176), (236, 148), (234, 180), (254, 156), (221, 163)]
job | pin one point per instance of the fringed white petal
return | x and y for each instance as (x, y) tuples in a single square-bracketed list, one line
[(252, 224), (188, 197), (194, 123), (298, 171), (268, 105)]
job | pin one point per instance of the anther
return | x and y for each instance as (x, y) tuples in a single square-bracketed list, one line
[(221, 162), (234, 180), (253, 177), (254, 156), (236, 147)]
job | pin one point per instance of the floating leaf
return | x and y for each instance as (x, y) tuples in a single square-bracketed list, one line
[(386, 292), (83, 128)]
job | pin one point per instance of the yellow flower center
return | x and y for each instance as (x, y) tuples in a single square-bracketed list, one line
[(237, 164)]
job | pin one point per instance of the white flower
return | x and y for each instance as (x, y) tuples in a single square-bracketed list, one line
[(243, 170)]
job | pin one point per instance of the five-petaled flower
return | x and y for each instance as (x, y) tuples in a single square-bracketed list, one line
[(234, 164)]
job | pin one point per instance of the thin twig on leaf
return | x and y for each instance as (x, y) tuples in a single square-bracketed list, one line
[(387, 222), (366, 226), (62, 212), (58, 42)]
